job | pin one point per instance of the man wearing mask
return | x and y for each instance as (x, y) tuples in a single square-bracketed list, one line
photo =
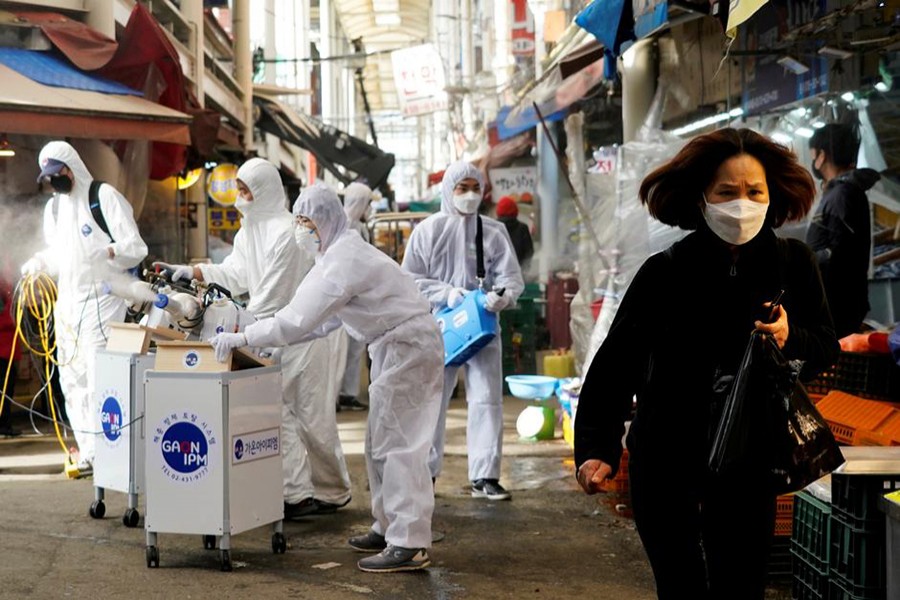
[(268, 264), (840, 230), (442, 256), (356, 204), (81, 253)]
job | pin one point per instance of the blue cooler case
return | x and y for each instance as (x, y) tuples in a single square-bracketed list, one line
[(467, 328)]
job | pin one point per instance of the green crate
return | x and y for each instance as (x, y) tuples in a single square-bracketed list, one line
[(809, 578), (532, 291), (838, 589), (811, 532), (801, 591), (857, 554), (856, 496)]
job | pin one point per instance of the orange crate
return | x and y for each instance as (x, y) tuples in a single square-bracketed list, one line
[(619, 483), (784, 515), (847, 415), (784, 526), (886, 434)]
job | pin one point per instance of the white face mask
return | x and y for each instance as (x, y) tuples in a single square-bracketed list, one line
[(307, 239), (467, 203), (243, 205), (736, 221)]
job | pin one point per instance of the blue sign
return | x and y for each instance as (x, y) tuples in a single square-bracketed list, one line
[(86, 230), (111, 419), (185, 448), (191, 359), (238, 449)]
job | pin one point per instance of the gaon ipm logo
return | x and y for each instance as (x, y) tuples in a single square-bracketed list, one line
[(239, 449), (185, 441), (191, 359), (111, 419)]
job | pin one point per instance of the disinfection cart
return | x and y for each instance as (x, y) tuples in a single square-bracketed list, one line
[(119, 458), (213, 448)]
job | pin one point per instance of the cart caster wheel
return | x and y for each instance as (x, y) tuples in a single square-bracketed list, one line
[(152, 557), (226, 559), (131, 517), (279, 544), (209, 542), (98, 509)]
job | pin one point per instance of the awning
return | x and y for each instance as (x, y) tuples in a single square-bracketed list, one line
[(346, 157), (49, 69), (29, 107), (87, 48)]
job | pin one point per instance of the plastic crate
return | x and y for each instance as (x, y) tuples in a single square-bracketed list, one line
[(848, 415), (779, 566), (839, 589), (857, 556), (855, 497), (874, 376), (619, 483), (809, 580), (811, 537)]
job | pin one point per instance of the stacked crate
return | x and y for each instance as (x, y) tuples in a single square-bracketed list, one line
[(518, 330), (873, 376), (859, 422), (856, 553), (810, 545)]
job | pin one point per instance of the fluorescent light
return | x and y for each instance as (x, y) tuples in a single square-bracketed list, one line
[(793, 65), (7, 153), (781, 138), (847, 97), (736, 112), (805, 132), (818, 124), (799, 112), (882, 87), (835, 52), (386, 6), (387, 19), (707, 121)]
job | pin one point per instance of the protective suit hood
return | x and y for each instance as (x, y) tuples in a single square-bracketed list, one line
[(453, 175), (64, 152), (356, 200), (264, 182), (319, 203)]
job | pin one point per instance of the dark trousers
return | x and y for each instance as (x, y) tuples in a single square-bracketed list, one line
[(707, 540), (6, 413)]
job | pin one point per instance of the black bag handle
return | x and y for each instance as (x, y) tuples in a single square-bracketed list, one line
[(479, 253)]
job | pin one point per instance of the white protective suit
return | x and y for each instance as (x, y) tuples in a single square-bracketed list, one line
[(83, 311), (356, 285), (267, 262), (440, 255), (356, 202)]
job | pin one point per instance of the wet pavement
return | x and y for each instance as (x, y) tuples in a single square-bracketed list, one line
[(550, 541)]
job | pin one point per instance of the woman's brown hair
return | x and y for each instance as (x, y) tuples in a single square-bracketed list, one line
[(674, 192)]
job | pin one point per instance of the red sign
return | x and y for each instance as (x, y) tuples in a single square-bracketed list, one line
[(522, 27)]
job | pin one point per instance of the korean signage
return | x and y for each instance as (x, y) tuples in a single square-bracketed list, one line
[(522, 29), (514, 181), (223, 219), (769, 84), (419, 79), (221, 185)]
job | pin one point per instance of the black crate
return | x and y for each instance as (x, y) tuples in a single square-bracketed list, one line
[(811, 530), (874, 376), (778, 567), (841, 590), (809, 580), (856, 496), (801, 591), (857, 556)]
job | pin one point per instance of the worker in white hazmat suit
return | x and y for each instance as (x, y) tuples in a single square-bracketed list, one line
[(355, 285), (441, 255), (81, 255), (267, 263), (356, 203)]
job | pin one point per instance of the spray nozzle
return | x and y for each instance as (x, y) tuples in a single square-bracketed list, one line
[(162, 301)]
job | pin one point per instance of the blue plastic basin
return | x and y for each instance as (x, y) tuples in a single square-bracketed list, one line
[(532, 387)]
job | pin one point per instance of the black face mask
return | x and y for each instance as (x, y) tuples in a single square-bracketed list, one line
[(816, 172), (61, 183)]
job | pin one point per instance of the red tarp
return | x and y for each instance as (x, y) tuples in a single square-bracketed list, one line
[(86, 48)]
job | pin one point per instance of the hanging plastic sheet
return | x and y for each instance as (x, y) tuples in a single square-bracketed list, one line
[(769, 425)]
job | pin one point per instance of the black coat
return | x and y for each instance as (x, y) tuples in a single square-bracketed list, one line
[(840, 235), (520, 237), (686, 316)]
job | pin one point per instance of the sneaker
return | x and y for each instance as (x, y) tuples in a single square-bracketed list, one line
[(299, 509), (328, 508), (370, 542), (350, 403), (490, 489), (394, 559)]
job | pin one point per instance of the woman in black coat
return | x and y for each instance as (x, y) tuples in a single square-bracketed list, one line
[(686, 319)]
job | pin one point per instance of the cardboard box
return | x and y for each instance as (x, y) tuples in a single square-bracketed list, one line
[(200, 357), (132, 338)]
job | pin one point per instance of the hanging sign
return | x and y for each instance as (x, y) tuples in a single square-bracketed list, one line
[(221, 185), (419, 79)]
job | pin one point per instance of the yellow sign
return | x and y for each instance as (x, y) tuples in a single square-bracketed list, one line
[(223, 219), (221, 185), (189, 179)]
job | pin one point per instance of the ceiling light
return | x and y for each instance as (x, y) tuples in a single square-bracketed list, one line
[(818, 124), (835, 52), (847, 97), (781, 137), (793, 65), (387, 19), (805, 132)]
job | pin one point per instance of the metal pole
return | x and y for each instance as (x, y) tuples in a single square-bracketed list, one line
[(365, 98)]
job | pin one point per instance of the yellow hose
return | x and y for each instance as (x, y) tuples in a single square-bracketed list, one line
[(37, 292)]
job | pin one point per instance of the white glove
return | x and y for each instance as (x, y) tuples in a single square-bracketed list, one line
[(33, 266), (495, 302), (224, 343), (185, 272), (456, 296)]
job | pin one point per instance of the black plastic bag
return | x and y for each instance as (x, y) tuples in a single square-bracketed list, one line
[(770, 426)]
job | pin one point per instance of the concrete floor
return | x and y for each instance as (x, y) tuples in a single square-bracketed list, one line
[(550, 541)]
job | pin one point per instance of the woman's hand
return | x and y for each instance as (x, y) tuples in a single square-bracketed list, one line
[(591, 475), (777, 328)]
